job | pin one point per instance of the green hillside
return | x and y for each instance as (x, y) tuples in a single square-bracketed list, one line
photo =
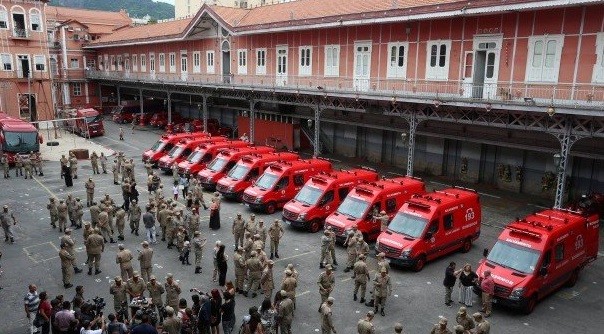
[(136, 8)]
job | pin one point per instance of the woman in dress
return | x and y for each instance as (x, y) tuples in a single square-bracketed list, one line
[(467, 279), (66, 171), (267, 314), (215, 214), (133, 192), (221, 263), (215, 308)]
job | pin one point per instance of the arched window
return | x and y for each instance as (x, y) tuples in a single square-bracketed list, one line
[(19, 26), (3, 18), (35, 19)]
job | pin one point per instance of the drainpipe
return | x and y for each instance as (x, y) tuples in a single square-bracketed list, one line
[(66, 96)]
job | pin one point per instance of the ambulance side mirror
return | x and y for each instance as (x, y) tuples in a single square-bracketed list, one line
[(543, 271), (485, 252), (429, 235)]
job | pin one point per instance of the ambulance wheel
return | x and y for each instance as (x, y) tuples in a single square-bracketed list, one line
[(420, 263), (52, 143), (529, 307), (467, 245), (315, 226), (271, 207), (574, 277)]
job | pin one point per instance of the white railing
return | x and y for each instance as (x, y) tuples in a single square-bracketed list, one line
[(581, 95)]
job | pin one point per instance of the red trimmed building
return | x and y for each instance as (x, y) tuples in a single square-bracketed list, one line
[(455, 88)]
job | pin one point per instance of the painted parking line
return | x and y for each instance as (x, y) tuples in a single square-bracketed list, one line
[(123, 143), (41, 252), (302, 293), (489, 195), (295, 256)]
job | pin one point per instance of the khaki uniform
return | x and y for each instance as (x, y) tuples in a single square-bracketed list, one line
[(5, 166), (116, 173), (465, 320), (94, 247), (332, 247), (361, 277), (263, 233), (145, 259), (438, 330), (254, 268), (238, 231), (89, 192), (86, 232), (362, 248), (79, 213), (134, 217), (289, 285), (37, 163), (103, 225), (326, 284), (136, 289), (149, 168), (162, 217), (120, 222), (18, 165), (326, 319), (70, 243), (351, 251), (155, 292), (240, 270), (267, 282), (275, 231), (251, 226), (94, 161), (94, 214), (247, 247), (62, 209), (381, 290), (325, 255), (483, 327), (124, 259), (67, 262), (73, 165), (27, 164), (172, 294), (286, 315), (365, 326), (172, 325), (120, 295), (198, 244), (54, 213), (103, 160)]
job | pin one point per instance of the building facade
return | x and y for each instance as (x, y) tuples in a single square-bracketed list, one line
[(24, 77), (479, 92), (187, 8)]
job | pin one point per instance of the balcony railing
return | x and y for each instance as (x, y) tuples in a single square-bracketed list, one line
[(19, 33), (437, 92)]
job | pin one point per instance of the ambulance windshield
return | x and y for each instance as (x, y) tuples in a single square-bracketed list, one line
[(408, 225), (238, 172), (353, 207), (308, 195), (267, 181), (514, 257), (217, 164), (158, 146), (175, 151)]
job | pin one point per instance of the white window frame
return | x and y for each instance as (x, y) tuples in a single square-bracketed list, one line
[(210, 62), (261, 61), (127, 63), (172, 62), (162, 62), (598, 73), (120, 61), (76, 88), (7, 58), (542, 73), (437, 71), (184, 66), (394, 70), (113, 64), (196, 62), (151, 62), (4, 17), (332, 65), (242, 60), (305, 60), (143, 59), (34, 12), (40, 60), (134, 63), (100, 61), (71, 62)]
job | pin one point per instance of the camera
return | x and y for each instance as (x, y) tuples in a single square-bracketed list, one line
[(99, 304)]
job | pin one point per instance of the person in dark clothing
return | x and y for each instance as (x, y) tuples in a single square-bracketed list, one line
[(215, 214), (133, 192), (66, 172), (221, 261), (228, 313), (449, 282), (203, 319), (144, 327), (215, 316)]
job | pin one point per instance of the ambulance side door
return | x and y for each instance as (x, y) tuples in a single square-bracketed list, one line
[(430, 238)]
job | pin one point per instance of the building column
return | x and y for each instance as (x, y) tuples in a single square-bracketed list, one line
[(100, 89), (66, 95), (86, 95), (205, 112), (411, 145), (141, 105), (252, 118), (169, 107), (119, 96), (317, 129)]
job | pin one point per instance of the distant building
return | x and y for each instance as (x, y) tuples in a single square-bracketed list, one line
[(184, 8)]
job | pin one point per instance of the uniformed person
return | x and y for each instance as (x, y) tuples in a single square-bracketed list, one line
[(86, 232), (172, 291), (365, 325), (18, 165), (382, 288), (69, 242), (73, 165), (326, 283), (78, 212), (240, 269), (62, 210), (63, 163), (54, 212), (115, 169), (275, 232), (120, 222), (258, 244), (383, 218), (361, 277), (248, 245), (149, 168), (145, 259), (37, 162), (103, 161), (262, 232), (482, 325), (198, 244), (251, 225), (67, 263), (325, 255), (134, 217), (28, 166), (124, 260), (94, 213), (162, 217), (285, 312), (464, 319), (5, 165), (94, 248), (441, 327), (238, 230), (171, 324), (135, 287), (254, 267), (70, 202), (362, 246), (382, 263), (155, 291), (351, 250), (120, 295), (89, 191), (267, 282), (327, 326), (103, 225), (94, 161), (332, 247), (120, 159), (295, 274), (289, 285)]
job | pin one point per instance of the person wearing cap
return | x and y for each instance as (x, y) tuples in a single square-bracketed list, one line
[(482, 325), (54, 212), (327, 326), (365, 325), (267, 282), (71, 203), (63, 212), (67, 264), (94, 162), (251, 225), (5, 165), (361, 277), (383, 218), (362, 246), (487, 285), (124, 260), (69, 243), (254, 267), (239, 263), (162, 216), (398, 328), (325, 254), (126, 194), (103, 161), (171, 324), (198, 244), (238, 230), (289, 285), (464, 319), (73, 165), (441, 327), (155, 291), (326, 283), (145, 259), (95, 246), (458, 329), (103, 224), (382, 288), (36, 158), (120, 222), (95, 210), (285, 312), (18, 165), (181, 235), (382, 263), (332, 247), (119, 291), (258, 244), (171, 228), (275, 232), (172, 291), (78, 213), (134, 217), (262, 232), (86, 232), (351, 250), (248, 245), (115, 169), (28, 166), (135, 287), (89, 185)]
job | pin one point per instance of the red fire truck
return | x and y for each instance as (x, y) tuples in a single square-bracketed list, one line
[(165, 143), (432, 225), (182, 150), (85, 122), (17, 136), (321, 196), (364, 203), (246, 171), (280, 182), (536, 255), (204, 154), (224, 161)]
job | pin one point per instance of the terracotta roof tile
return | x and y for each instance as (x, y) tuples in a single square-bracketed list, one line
[(97, 21), (146, 32)]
